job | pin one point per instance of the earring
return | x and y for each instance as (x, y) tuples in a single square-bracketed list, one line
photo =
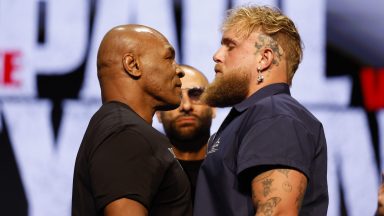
[(260, 76)]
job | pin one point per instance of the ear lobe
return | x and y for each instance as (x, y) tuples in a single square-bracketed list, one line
[(131, 65)]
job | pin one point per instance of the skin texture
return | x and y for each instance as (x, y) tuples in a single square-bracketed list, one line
[(249, 54), (237, 63), (188, 126), (144, 76), (274, 191), (122, 207)]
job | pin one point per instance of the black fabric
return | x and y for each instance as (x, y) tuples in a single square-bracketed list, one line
[(191, 168), (269, 129), (121, 156)]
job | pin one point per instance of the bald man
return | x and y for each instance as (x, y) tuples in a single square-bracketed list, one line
[(124, 166), (188, 126)]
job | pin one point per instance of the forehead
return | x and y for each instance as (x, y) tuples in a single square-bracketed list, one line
[(229, 36), (157, 42), (192, 79), (164, 49)]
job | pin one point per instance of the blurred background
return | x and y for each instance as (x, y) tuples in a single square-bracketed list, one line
[(49, 89)]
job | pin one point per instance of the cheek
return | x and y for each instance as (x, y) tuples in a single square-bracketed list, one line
[(238, 57), (169, 73), (232, 61), (203, 112)]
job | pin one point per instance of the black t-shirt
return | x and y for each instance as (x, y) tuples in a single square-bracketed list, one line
[(122, 156), (191, 168)]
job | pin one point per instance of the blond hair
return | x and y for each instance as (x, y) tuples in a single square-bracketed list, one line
[(247, 19)]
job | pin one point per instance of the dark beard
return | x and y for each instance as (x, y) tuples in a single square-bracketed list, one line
[(195, 144), (193, 140), (227, 90)]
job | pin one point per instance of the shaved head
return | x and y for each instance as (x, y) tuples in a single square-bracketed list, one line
[(188, 126), (136, 65), (124, 39), (193, 77)]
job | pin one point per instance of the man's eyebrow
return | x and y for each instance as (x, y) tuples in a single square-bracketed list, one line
[(227, 41), (172, 51)]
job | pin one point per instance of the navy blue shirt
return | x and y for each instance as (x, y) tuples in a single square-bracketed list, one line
[(270, 128)]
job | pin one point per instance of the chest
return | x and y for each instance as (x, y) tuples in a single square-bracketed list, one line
[(223, 146)]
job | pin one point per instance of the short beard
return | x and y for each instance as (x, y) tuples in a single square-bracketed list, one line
[(191, 141), (227, 90)]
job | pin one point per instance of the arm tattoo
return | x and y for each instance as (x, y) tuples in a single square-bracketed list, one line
[(287, 186), (299, 198), (268, 207), (267, 183), (263, 175), (284, 171), (254, 194)]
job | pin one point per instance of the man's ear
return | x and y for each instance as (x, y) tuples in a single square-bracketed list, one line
[(267, 59), (131, 66)]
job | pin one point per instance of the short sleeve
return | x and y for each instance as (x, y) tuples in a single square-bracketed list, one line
[(277, 141), (124, 166)]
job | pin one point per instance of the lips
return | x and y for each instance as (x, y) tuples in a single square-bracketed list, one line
[(186, 119), (218, 69), (177, 82)]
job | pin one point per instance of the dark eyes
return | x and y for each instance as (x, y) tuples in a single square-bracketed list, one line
[(194, 94)]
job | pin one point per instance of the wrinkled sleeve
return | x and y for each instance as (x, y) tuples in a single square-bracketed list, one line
[(124, 166), (277, 141)]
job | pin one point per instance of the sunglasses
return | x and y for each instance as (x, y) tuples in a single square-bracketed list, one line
[(194, 94)]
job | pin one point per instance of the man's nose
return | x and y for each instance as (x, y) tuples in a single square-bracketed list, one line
[(180, 73), (218, 56), (185, 104)]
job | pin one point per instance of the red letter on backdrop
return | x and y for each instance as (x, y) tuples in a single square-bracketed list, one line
[(372, 86), (9, 68)]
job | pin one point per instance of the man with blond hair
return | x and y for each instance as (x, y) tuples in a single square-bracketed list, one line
[(269, 156)]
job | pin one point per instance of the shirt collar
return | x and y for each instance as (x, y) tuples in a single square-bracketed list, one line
[(269, 90)]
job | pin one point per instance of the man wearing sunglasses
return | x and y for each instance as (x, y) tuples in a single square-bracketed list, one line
[(188, 126)]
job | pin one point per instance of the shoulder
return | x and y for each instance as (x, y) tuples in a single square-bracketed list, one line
[(115, 117), (123, 142), (110, 116), (282, 107)]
